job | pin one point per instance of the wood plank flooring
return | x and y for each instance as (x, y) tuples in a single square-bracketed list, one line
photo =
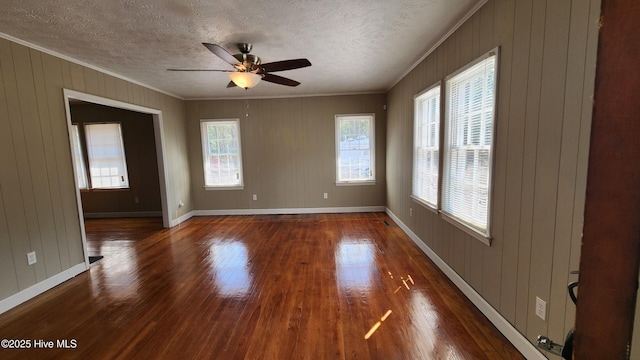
[(255, 287)]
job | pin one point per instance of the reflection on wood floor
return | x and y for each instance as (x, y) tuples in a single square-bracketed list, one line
[(347, 286)]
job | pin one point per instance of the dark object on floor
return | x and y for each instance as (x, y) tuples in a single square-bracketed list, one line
[(93, 259)]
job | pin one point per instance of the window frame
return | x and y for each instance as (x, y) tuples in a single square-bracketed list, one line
[(204, 138), (372, 149), (79, 163), (418, 100), (483, 233), (125, 176)]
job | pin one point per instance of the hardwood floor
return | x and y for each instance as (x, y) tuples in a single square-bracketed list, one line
[(256, 287)]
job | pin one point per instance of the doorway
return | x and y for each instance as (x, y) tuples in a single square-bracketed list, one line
[(69, 97)]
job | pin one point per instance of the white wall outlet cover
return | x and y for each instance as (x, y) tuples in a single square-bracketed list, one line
[(541, 308), (31, 258)]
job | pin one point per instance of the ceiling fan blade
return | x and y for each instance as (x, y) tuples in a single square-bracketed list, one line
[(231, 84), (201, 70), (221, 53), (284, 65), (279, 80)]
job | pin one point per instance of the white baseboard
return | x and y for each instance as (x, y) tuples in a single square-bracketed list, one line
[(127, 214), (181, 219), (509, 331), (37, 289), (283, 211)]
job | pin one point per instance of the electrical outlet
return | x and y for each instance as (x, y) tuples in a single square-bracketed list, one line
[(31, 258), (255, 197), (180, 204), (326, 195), (541, 308), (410, 211)]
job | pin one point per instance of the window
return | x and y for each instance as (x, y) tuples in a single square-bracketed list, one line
[(78, 158), (221, 154), (355, 149), (468, 143), (426, 146), (105, 152)]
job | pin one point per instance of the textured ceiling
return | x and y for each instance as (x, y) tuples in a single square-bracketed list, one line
[(355, 46)]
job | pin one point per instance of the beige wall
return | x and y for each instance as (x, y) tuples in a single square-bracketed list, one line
[(38, 205), (288, 151), (546, 72), (143, 194)]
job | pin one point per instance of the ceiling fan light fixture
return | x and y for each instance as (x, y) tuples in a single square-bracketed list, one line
[(245, 80), (250, 69)]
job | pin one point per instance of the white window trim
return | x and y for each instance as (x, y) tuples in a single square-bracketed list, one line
[(355, 183), (424, 204), (470, 230), (77, 151), (416, 198), (372, 147), (482, 235), (204, 139)]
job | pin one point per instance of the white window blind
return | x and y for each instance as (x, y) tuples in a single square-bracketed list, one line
[(78, 158), (105, 151), (468, 143), (221, 152), (426, 146), (355, 148)]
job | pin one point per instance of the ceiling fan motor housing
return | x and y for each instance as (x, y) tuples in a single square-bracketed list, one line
[(249, 62)]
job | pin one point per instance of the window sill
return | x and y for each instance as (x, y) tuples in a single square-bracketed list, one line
[(355, 183), (239, 187), (467, 229), (424, 204)]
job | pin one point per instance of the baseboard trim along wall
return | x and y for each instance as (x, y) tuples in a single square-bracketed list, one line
[(181, 219), (37, 289), (130, 214), (285, 211), (282, 211), (509, 331)]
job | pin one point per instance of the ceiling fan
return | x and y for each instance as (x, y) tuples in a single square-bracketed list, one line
[(249, 69)]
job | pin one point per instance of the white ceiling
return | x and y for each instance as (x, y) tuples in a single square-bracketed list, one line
[(355, 46)]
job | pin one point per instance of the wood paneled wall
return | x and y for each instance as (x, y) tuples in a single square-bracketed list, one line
[(38, 205), (545, 89), (288, 150)]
